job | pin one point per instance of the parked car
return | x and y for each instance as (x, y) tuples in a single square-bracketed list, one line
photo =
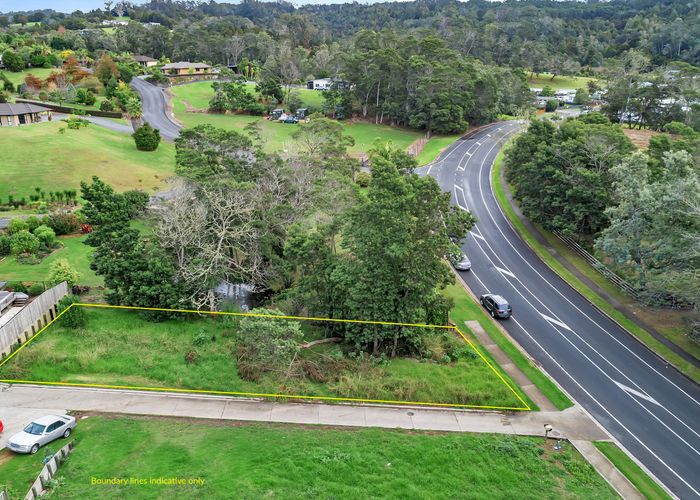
[(460, 262), (496, 305), (291, 119), (40, 432)]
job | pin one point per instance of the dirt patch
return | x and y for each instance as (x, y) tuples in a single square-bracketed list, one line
[(6, 456), (640, 138)]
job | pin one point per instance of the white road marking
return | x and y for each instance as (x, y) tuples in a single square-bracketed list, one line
[(465, 207), (504, 271), (556, 322), (636, 393), (476, 235), (478, 143), (603, 407), (588, 358)]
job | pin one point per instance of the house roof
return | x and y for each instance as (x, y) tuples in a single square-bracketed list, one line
[(186, 65), (7, 109), (144, 59)]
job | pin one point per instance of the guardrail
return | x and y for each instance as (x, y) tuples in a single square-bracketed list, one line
[(35, 315), (666, 301)]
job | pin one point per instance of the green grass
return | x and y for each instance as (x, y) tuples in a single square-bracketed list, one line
[(73, 250), (292, 461), (18, 78), (278, 136), (559, 81), (198, 94), (644, 336), (646, 485), (120, 347), (434, 147), (466, 309), (39, 156)]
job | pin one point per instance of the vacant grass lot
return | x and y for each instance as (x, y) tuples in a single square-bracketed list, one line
[(39, 156), (558, 82), (73, 250), (285, 461), (119, 347)]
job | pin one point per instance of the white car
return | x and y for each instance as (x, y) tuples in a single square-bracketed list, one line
[(40, 432)]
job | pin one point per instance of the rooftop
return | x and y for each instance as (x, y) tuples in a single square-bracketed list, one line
[(16, 109), (144, 59), (185, 65)]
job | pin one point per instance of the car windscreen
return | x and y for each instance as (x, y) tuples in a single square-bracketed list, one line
[(34, 428)]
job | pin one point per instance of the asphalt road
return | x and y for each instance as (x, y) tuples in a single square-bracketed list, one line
[(154, 109), (648, 406)]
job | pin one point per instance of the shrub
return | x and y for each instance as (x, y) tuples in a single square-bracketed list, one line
[(36, 289), (363, 179), (18, 287), (46, 236), (106, 105), (17, 225), (74, 122), (551, 106), (84, 96), (76, 317), (4, 245), (202, 338), (60, 271), (146, 138), (24, 242), (34, 222), (255, 108), (64, 223)]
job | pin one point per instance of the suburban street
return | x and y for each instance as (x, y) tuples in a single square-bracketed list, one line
[(154, 109), (647, 405)]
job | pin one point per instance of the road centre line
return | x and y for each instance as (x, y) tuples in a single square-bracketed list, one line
[(576, 334)]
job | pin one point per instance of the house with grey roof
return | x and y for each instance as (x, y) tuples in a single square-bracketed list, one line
[(183, 68), (13, 114)]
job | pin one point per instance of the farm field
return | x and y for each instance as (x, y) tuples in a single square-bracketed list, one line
[(294, 461), (31, 155), (120, 347)]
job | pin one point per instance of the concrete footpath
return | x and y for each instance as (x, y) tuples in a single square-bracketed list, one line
[(21, 403)]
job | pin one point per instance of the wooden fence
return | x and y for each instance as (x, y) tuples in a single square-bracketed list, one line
[(38, 487), (32, 318)]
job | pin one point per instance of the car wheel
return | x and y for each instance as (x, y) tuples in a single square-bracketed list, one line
[(493, 315), (34, 449), (481, 301), (66, 433)]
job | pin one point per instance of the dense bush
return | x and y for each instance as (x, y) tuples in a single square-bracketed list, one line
[(76, 317), (4, 245), (17, 225), (61, 271), (146, 138), (84, 96), (36, 289), (24, 242), (363, 179), (551, 106), (106, 105), (46, 236), (64, 223)]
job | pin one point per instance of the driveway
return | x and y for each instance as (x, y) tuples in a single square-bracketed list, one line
[(155, 111)]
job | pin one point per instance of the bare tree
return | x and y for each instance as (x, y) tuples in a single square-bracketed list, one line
[(235, 46)]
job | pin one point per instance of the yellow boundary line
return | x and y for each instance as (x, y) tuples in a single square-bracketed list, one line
[(525, 406)]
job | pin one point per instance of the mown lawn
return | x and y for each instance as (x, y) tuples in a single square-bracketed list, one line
[(198, 94), (435, 145), (18, 78), (39, 156), (558, 82), (291, 461), (73, 250), (120, 347)]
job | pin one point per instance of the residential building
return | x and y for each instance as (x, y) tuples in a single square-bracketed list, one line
[(186, 69), (21, 114), (145, 61)]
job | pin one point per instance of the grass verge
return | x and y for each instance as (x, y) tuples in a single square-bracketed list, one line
[(466, 309), (646, 485), (292, 461), (121, 348), (644, 336)]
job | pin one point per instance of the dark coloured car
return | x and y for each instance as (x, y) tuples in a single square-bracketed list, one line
[(496, 305), (291, 119)]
